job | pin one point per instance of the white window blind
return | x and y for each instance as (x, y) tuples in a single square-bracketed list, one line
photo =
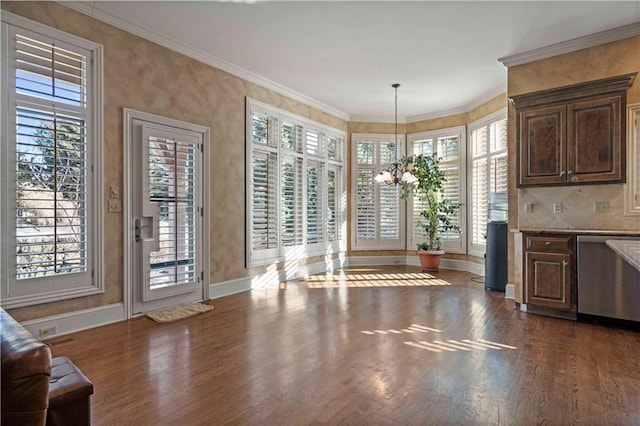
[(172, 186), (448, 145), (488, 170), (315, 202), (334, 203), (296, 190), (264, 193), (53, 119), (378, 210), (291, 201)]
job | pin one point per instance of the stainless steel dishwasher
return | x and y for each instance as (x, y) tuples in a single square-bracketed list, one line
[(608, 286)]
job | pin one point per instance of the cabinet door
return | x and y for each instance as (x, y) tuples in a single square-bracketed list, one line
[(549, 279), (594, 140), (542, 145)]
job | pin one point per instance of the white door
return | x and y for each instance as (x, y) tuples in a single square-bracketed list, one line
[(166, 216)]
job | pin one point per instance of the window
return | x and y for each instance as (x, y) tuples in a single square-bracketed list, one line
[(632, 198), (51, 217), (488, 173), (295, 186), (378, 210), (448, 145)]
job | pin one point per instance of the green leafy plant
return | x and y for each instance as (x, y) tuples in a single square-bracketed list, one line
[(437, 217)]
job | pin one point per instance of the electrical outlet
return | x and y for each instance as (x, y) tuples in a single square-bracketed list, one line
[(601, 207), (528, 207), (557, 207), (115, 206), (49, 331)]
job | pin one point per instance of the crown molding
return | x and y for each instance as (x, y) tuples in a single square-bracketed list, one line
[(572, 45), (486, 97), (376, 119), (437, 114), (204, 57)]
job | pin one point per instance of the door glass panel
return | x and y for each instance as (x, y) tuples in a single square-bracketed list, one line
[(172, 188)]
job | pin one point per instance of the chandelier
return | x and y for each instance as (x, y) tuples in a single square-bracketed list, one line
[(394, 174)]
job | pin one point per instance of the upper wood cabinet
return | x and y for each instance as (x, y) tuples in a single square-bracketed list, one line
[(574, 134)]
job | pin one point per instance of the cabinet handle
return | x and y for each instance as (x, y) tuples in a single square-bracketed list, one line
[(564, 263), (547, 243), (562, 173), (569, 172)]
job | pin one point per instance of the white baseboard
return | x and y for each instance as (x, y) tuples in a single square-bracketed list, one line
[(377, 260), (77, 321), (291, 271), (510, 291), (457, 265), (523, 307)]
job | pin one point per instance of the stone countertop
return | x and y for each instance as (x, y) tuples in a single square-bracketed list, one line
[(629, 250), (605, 232)]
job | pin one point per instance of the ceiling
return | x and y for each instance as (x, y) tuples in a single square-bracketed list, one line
[(346, 55)]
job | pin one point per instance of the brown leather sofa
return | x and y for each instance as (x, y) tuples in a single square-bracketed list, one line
[(37, 390)]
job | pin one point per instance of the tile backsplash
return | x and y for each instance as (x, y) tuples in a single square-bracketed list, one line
[(578, 211)]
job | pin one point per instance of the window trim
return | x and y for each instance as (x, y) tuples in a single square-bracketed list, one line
[(478, 249), (282, 253), (7, 153), (461, 246), (632, 187), (375, 244)]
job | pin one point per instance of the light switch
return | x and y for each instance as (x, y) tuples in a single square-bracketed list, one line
[(557, 207), (528, 207), (601, 207), (114, 191)]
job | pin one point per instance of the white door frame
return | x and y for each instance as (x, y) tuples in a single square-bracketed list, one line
[(127, 214)]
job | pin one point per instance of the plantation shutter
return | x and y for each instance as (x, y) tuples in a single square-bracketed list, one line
[(172, 187), (365, 205), (49, 215), (264, 201), (45, 70), (446, 145), (389, 212), (315, 206), (424, 147), (52, 214), (480, 195), (498, 161), (448, 151), (291, 201), (294, 194), (489, 174), (313, 142), (378, 208), (334, 208), (51, 188)]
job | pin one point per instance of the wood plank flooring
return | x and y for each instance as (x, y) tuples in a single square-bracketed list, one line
[(366, 346)]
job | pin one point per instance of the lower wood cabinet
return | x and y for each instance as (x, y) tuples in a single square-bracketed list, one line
[(550, 274)]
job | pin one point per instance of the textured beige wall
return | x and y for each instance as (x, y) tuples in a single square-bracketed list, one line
[(144, 76), (437, 123), (606, 60)]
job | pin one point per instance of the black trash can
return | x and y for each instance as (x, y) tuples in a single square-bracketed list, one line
[(495, 263)]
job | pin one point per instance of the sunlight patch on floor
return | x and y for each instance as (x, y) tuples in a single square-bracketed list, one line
[(413, 328), (401, 279), (459, 345)]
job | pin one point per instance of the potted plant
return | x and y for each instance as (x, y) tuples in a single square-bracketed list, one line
[(428, 187)]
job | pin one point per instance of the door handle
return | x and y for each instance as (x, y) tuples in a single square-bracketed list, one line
[(138, 229)]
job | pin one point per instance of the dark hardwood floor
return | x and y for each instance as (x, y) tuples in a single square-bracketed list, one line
[(368, 346)]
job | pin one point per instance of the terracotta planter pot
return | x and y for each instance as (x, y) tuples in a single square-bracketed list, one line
[(430, 259)]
